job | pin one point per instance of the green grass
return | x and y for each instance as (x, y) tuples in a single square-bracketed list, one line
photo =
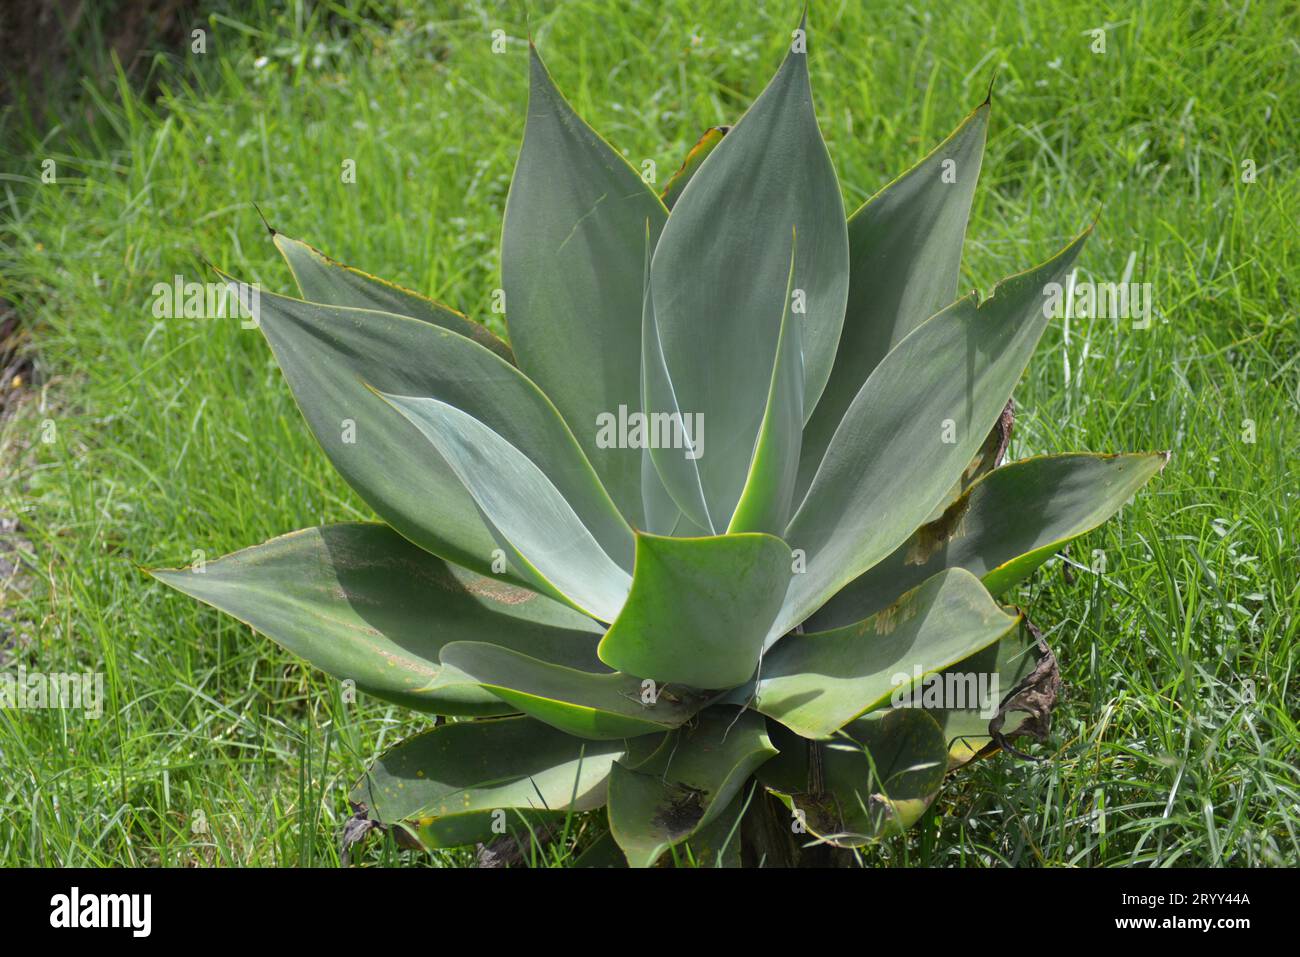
[(180, 435)]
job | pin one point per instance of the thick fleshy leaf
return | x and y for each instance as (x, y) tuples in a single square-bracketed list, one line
[(521, 503), (717, 844), (698, 609), (764, 504), (904, 265), (661, 512), (974, 688), (326, 280), (674, 443), (1006, 524), (697, 155), (571, 252), (720, 273), (327, 353), (480, 827), (334, 359), (876, 778), (600, 707), (663, 517), (987, 458), (360, 602), (686, 784), (604, 852), (452, 783), (816, 683), (915, 425)]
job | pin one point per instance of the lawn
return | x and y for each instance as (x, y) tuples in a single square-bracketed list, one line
[(143, 441)]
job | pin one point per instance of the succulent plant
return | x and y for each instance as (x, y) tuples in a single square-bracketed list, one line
[(703, 631)]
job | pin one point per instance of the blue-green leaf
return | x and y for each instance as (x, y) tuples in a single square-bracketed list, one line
[(699, 608), (685, 785), (720, 274), (322, 279), (453, 783), (363, 604), (587, 705), (816, 683), (523, 506), (904, 258), (1004, 526), (571, 253), (764, 504), (911, 431), (877, 776)]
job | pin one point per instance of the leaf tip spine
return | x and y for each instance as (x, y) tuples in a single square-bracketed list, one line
[(269, 228)]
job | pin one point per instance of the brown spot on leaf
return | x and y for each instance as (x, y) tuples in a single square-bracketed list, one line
[(928, 539), (886, 620), (821, 812), (682, 811), (497, 591)]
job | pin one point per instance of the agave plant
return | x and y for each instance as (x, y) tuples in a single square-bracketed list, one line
[(704, 632)]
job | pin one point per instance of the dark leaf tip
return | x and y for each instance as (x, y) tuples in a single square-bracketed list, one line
[(269, 228), (988, 97)]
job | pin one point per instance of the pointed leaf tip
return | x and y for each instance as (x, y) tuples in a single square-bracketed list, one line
[(882, 451), (359, 601), (572, 274), (718, 288), (988, 97), (269, 228), (1001, 528)]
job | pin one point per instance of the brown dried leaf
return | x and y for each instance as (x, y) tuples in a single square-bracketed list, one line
[(1035, 695)]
